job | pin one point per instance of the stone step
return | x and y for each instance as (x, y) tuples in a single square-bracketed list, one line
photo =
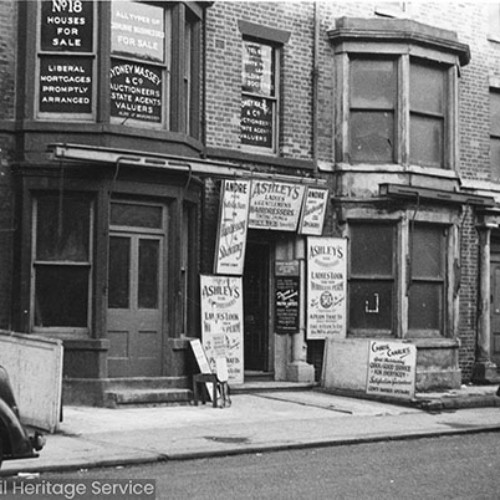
[(113, 384), (146, 397)]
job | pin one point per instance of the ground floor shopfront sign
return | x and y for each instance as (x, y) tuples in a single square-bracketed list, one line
[(391, 369), (222, 323)]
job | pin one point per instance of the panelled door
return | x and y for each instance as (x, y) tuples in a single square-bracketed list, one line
[(495, 306), (135, 290)]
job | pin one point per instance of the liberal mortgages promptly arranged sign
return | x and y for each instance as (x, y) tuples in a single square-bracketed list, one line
[(233, 224), (391, 369), (222, 322), (326, 287)]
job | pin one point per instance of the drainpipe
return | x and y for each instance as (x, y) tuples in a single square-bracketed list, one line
[(315, 78)]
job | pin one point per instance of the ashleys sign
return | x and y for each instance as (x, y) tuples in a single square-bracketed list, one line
[(275, 205)]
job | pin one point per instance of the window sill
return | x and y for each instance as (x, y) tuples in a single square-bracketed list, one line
[(230, 154), (394, 168)]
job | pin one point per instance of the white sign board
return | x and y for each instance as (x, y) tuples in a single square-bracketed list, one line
[(233, 225), (222, 323), (326, 287), (313, 211), (275, 205), (391, 369)]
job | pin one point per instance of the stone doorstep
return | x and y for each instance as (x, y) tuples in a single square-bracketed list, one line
[(117, 398)]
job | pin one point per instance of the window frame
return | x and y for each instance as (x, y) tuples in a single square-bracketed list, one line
[(37, 263), (393, 278), (172, 128), (402, 39), (274, 99)]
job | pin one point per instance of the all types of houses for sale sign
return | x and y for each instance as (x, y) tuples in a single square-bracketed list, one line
[(222, 323), (326, 287)]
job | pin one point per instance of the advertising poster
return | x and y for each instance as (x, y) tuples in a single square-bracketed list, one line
[(67, 26), (222, 323), (138, 30), (275, 205), (313, 211), (287, 292), (136, 91), (326, 287), (233, 225), (391, 369)]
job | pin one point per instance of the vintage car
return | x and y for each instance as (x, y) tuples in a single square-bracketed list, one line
[(15, 440)]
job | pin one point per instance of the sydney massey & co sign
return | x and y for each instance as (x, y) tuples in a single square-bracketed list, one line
[(275, 205)]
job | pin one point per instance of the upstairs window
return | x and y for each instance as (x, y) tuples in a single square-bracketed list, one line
[(397, 94), (495, 135), (140, 60), (372, 110), (259, 96), (429, 104)]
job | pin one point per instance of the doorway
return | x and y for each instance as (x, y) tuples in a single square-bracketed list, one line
[(495, 302), (256, 306), (135, 290)]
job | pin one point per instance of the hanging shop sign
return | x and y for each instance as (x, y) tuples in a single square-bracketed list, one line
[(275, 205), (138, 30), (287, 286), (67, 25), (391, 369), (313, 211), (233, 225), (222, 322), (65, 84), (326, 287), (136, 91)]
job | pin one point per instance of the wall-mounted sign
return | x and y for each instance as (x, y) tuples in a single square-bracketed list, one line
[(233, 224), (313, 211), (138, 30), (256, 127), (136, 91), (326, 287), (275, 205), (222, 322), (65, 84), (67, 25), (287, 285), (391, 369)]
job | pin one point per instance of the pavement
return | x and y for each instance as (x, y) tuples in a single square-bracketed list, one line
[(256, 422)]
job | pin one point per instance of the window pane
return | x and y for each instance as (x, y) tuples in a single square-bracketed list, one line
[(428, 252), (149, 252), (126, 214), (257, 122), (61, 296), (495, 159), (495, 113), (370, 305), (425, 306), (63, 229), (372, 249), (372, 137), (426, 141), (373, 84), (426, 89), (119, 273), (258, 69)]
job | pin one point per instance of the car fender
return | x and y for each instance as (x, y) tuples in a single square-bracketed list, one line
[(19, 444)]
